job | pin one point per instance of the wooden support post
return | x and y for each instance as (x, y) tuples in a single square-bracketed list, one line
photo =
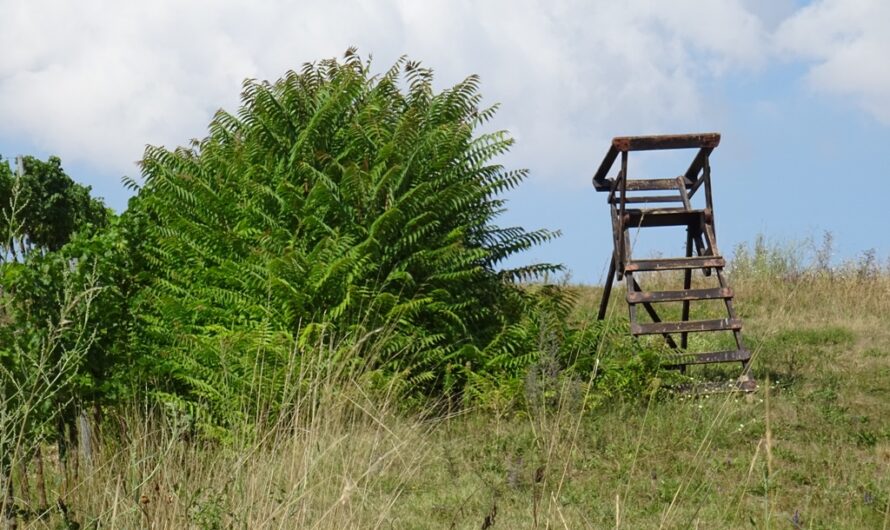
[(708, 198), (687, 284), (607, 289), (622, 253), (631, 286)]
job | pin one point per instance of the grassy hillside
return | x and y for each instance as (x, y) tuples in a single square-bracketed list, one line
[(809, 449)]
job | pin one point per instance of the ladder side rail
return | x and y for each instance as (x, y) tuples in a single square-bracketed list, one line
[(631, 308), (730, 310), (687, 284), (709, 200), (711, 237), (625, 238), (622, 254), (703, 245)]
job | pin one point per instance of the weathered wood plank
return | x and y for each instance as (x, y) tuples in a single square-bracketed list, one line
[(648, 199), (663, 217), (651, 184), (643, 184), (680, 295), (658, 328), (695, 262), (706, 357), (669, 141)]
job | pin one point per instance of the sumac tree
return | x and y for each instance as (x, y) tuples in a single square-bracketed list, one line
[(332, 203)]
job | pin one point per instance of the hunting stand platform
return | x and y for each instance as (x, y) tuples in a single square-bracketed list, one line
[(701, 246)]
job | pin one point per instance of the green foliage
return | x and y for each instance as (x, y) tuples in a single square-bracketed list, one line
[(62, 310), (48, 336), (99, 262), (338, 222), (625, 368), (566, 363), (43, 207), (333, 206)]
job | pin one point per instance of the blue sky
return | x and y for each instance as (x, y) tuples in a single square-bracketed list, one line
[(799, 91), (791, 165)]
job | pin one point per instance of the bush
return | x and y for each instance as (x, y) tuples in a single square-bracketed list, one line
[(335, 207)]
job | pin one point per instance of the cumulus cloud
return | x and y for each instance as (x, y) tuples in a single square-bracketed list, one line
[(94, 81), (848, 42)]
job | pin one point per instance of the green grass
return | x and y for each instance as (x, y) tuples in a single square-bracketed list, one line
[(809, 449)]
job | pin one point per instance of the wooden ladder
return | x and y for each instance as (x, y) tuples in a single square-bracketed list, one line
[(674, 197)]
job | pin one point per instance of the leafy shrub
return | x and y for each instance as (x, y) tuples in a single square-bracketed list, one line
[(570, 355), (62, 313), (335, 206)]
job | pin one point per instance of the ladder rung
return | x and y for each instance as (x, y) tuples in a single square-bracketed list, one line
[(663, 217), (661, 211), (648, 198), (653, 184), (704, 358), (679, 296), (642, 184), (723, 324), (695, 262)]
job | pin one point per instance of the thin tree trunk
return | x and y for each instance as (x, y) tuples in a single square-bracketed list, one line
[(41, 482), (24, 484), (85, 438)]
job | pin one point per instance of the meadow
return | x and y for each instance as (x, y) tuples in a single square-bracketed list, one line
[(809, 449)]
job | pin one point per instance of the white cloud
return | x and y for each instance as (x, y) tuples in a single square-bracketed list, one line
[(849, 43), (94, 81)]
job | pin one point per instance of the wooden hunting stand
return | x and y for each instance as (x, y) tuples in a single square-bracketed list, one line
[(700, 238)]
